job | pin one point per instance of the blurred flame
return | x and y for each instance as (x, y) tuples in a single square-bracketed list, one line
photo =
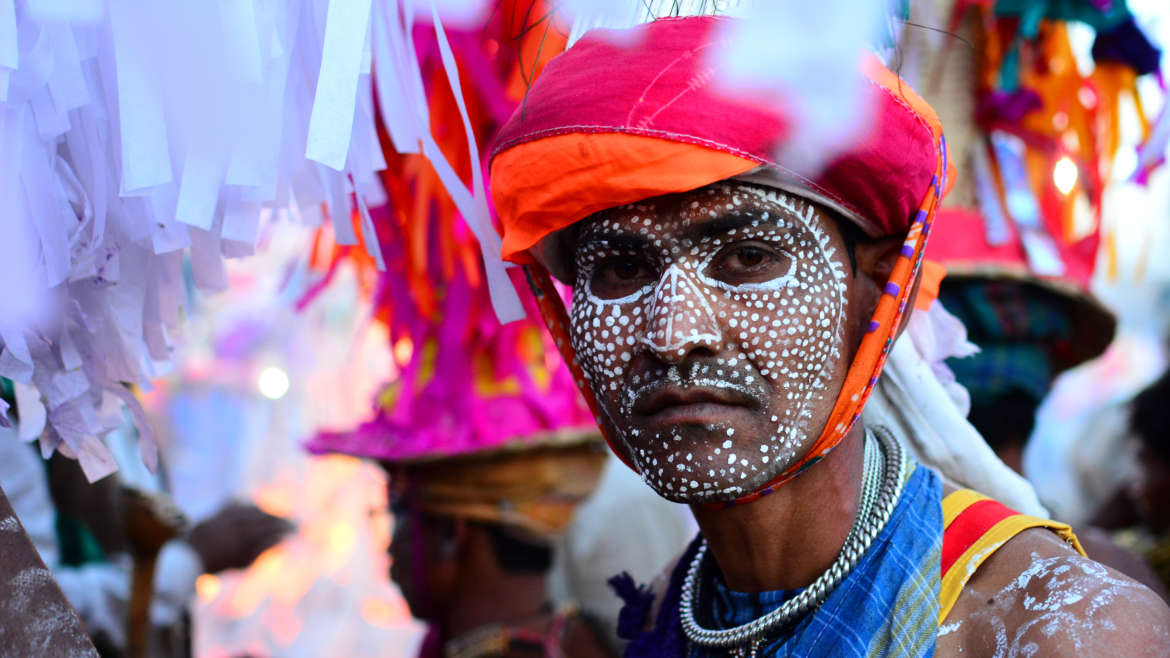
[(403, 350), (341, 537), (207, 587), (381, 613), (308, 591), (338, 546)]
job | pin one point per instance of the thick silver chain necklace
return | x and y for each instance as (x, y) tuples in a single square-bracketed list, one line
[(883, 478)]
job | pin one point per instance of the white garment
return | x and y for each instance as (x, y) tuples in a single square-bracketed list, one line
[(99, 592), (623, 526), (927, 410)]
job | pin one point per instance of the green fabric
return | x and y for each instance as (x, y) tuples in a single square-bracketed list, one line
[(913, 634), (8, 394), (1016, 330), (78, 545), (1001, 368)]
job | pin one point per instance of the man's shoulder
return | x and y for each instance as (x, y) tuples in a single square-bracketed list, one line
[(1037, 596)]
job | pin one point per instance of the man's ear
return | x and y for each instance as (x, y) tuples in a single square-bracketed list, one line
[(876, 258)]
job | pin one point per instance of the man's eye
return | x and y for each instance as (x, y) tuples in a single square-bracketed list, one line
[(620, 276), (623, 270), (747, 258), (749, 263)]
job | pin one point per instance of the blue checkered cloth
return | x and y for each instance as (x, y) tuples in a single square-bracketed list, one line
[(887, 606)]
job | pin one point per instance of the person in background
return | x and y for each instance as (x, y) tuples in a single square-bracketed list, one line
[(78, 528), (1017, 326), (1029, 330), (1150, 424), (489, 450), (473, 544)]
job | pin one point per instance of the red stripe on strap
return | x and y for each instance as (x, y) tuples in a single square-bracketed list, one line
[(968, 527)]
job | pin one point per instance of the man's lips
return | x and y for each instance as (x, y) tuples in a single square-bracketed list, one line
[(677, 404)]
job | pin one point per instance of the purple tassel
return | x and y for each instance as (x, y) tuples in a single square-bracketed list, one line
[(1001, 107), (638, 600), (666, 638)]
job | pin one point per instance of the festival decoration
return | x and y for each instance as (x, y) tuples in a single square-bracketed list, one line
[(131, 151), (1048, 131), (467, 383)]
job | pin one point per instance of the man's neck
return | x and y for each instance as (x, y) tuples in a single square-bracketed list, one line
[(788, 538)]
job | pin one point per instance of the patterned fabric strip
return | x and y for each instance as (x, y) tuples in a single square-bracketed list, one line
[(977, 527), (958, 501), (967, 529)]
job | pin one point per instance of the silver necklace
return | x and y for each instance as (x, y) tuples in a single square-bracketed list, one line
[(883, 478)]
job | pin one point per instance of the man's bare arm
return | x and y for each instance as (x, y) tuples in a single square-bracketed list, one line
[(1037, 597)]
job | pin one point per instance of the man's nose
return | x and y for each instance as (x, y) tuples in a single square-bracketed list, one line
[(680, 319)]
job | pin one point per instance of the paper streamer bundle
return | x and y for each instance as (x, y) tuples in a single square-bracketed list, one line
[(135, 138)]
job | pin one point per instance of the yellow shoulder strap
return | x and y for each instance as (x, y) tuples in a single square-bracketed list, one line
[(975, 526)]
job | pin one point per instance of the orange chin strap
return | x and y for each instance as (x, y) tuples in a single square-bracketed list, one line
[(863, 372)]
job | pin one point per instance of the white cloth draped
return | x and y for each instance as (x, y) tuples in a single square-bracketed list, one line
[(918, 399)]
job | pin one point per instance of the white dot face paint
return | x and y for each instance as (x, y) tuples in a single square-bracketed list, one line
[(708, 325)]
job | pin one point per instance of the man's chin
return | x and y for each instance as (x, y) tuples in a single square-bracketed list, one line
[(682, 491)]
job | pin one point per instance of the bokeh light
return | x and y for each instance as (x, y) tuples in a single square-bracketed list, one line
[(273, 383), (1064, 175)]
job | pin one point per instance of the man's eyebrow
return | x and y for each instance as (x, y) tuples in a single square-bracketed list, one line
[(618, 240), (723, 224)]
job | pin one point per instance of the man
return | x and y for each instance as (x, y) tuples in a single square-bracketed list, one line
[(1029, 330), (475, 527), (489, 451), (1030, 325), (84, 533), (730, 317), (473, 545)]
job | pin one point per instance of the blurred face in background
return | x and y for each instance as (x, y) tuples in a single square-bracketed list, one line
[(422, 560), (1151, 489)]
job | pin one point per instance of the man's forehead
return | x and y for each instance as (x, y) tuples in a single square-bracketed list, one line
[(712, 210)]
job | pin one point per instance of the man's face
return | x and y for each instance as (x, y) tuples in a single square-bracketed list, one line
[(709, 326), (419, 564)]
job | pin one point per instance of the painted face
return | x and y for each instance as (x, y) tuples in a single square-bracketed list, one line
[(708, 325)]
